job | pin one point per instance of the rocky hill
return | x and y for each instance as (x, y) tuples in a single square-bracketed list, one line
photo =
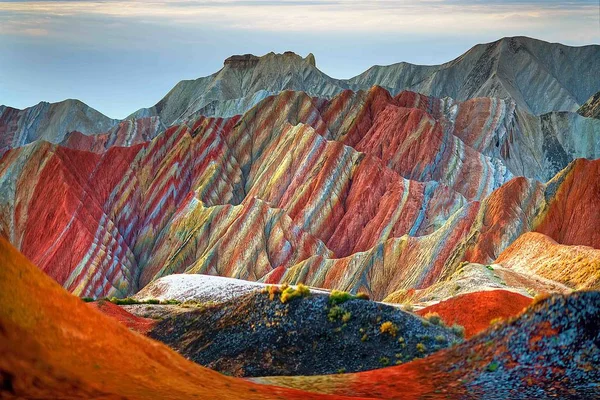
[(261, 334), (550, 351)]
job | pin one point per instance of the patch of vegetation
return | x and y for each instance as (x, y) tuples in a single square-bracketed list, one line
[(421, 348), (493, 366), (440, 339), (489, 267), (434, 318), (364, 338), (341, 371), (88, 299), (389, 328), (291, 293), (346, 316), (128, 301), (458, 330), (339, 297), (384, 361), (335, 313)]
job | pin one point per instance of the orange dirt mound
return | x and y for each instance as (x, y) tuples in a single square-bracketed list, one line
[(138, 324), (475, 310), (53, 345)]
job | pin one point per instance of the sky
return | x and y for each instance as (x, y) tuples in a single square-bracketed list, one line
[(120, 55)]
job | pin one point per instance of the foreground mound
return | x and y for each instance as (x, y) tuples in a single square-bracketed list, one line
[(53, 345), (139, 324), (260, 335), (474, 311), (550, 351)]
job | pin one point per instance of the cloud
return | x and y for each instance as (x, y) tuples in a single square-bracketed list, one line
[(383, 16)]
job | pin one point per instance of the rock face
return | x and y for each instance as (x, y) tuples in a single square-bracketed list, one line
[(333, 193), (575, 266), (50, 122), (591, 108)]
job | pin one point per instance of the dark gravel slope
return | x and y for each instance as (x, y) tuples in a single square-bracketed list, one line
[(257, 336)]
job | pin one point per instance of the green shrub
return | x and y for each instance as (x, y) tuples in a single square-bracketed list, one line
[(335, 313), (290, 293), (346, 316), (362, 296), (339, 297), (440, 339), (434, 318), (364, 338), (458, 330), (493, 366), (384, 361), (421, 347), (489, 267), (123, 302), (88, 299), (390, 328)]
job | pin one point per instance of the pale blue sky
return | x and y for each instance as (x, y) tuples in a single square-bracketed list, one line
[(121, 55)]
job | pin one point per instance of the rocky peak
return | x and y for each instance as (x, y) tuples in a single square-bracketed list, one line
[(250, 60), (242, 61)]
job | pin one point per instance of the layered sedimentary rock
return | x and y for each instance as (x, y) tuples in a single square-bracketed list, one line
[(361, 192), (127, 133), (575, 266), (187, 200), (50, 122)]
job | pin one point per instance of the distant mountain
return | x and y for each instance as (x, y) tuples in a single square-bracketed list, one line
[(50, 122), (243, 81), (539, 76)]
